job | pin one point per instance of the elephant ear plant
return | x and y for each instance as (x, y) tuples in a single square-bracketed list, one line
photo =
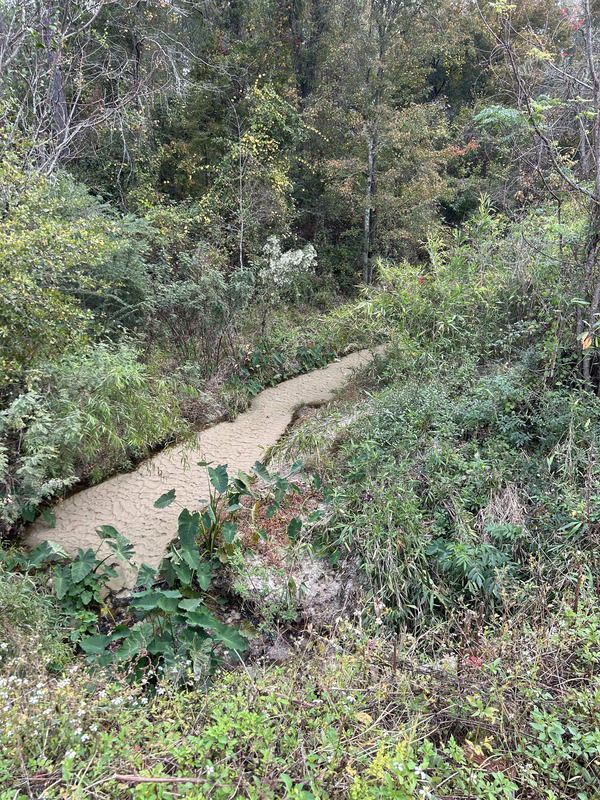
[(79, 582), (171, 626), (174, 625)]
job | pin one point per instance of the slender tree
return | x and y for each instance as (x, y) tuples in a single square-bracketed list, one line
[(553, 66)]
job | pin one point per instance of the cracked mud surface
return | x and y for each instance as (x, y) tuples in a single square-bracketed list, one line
[(127, 501)]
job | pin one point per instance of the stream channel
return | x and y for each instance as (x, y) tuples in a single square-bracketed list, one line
[(127, 501)]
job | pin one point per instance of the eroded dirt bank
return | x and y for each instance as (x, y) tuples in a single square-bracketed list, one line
[(127, 501)]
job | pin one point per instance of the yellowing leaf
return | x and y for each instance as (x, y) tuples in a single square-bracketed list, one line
[(586, 341), (363, 717)]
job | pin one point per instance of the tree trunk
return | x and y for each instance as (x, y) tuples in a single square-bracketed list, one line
[(591, 272), (57, 100), (369, 213), (584, 156)]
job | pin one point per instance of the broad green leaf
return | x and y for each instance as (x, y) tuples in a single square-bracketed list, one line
[(188, 528), (107, 532), (296, 466), (83, 564), (281, 488), (62, 581), (242, 482), (86, 597), (229, 637), (294, 528), (219, 478), (147, 601), (191, 556), (45, 551), (168, 600), (28, 513), (94, 645), (204, 576), (146, 575), (183, 572), (194, 638), (271, 510), (165, 499), (49, 517), (120, 632), (201, 617), (191, 604), (161, 645), (122, 548), (316, 515), (167, 571), (229, 531), (316, 480), (262, 472), (131, 646)]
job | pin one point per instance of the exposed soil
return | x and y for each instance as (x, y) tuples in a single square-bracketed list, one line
[(274, 542), (127, 501)]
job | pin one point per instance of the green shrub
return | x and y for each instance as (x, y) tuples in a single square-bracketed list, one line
[(509, 712), (32, 624), (86, 416)]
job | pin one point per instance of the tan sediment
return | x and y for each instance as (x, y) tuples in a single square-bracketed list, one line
[(127, 501)]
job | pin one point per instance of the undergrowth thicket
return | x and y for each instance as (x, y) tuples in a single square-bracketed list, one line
[(461, 472)]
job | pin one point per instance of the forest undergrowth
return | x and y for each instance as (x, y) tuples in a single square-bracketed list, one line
[(458, 472), (199, 200)]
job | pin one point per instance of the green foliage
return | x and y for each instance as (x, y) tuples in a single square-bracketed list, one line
[(464, 484), (457, 482), (196, 305), (250, 195), (84, 417), (32, 622), (383, 721), (63, 254), (173, 625), (470, 491)]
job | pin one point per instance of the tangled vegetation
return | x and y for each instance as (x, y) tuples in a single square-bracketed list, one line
[(200, 200)]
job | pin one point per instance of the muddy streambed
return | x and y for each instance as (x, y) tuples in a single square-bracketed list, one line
[(127, 501)]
